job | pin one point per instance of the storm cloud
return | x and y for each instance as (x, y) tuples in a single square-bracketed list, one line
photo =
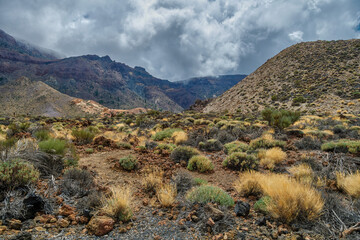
[(177, 39)]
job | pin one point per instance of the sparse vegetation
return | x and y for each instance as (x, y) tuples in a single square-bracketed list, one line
[(53, 145), (166, 194), (209, 193), (118, 204), (128, 163), (200, 163), (280, 118), (349, 183), (343, 145), (84, 136), (183, 153), (167, 133), (240, 161)]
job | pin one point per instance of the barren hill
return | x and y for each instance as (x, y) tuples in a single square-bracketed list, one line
[(321, 76)]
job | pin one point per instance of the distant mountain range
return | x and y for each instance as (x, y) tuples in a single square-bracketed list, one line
[(112, 84), (313, 77)]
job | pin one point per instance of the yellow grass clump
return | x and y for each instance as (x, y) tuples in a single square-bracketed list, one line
[(289, 199), (118, 204), (153, 179), (248, 184), (271, 157), (179, 137), (302, 173), (349, 183), (166, 194)]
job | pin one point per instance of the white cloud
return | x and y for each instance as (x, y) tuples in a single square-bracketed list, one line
[(296, 36), (177, 39)]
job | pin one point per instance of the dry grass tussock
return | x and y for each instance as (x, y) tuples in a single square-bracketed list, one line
[(302, 173), (289, 199), (166, 194), (118, 204), (153, 179), (179, 137), (271, 157), (349, 183)]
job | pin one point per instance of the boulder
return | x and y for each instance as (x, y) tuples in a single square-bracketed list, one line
[(242, 208), (100, 225)]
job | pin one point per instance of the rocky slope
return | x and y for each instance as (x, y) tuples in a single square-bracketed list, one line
[(321, 76), (112, 84)]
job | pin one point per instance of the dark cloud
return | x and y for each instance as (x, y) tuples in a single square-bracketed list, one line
[(176, 39)]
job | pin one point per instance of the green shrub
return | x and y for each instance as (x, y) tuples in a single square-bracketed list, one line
[(89, 150), (343, 145), (16, 173), (42, 134), (83, 136), (280, 118), (240, 161), (211, 145), (128, 163), (200, 163), (124, 145), (53, 145), (200, 181), (235, 146), (167, 133), (7, 144), (71, 158), (266, 143), (183, 153), (262, 203), (208, 193), (165, 146)]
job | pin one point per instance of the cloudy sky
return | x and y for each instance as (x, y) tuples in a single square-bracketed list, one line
[(178, 39)]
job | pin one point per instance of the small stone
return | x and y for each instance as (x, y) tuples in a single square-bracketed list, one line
[(40, 229), (194, 218), (242, 208), (210, 222), (274, 234), (161, 214), (100, 225), (63, 223), (182, 221), (15, 224), (83, 220), (122, 230), (59, 200), (145, 201), (66, 210), (261, 221), (72, 217), (157, 237)]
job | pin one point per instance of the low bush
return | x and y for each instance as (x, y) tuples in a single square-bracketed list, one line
[(89, 150), (42, 134), (7, 144), (342, 145), (164, 146), (235, 146), (280, 118), (211, 145), (83, 136), (349, 183), (200, 163), (128, 163), (240, 161), (76, 182), (118, 205), (167, 133), (308, 143), (200, 181), (16, 173), (209, 193), (53, 145), (183, 153), (124, 145), (266, 141), (289, 199)]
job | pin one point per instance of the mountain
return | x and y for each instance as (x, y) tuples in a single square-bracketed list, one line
[(23, 96), (321, 76), (11, 44), (112, 84)]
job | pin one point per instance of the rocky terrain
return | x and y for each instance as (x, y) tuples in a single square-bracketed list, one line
[(160, 175), (321, 76), (112, 84)]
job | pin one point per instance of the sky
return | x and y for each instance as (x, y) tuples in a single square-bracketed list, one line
[(179, 39)]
